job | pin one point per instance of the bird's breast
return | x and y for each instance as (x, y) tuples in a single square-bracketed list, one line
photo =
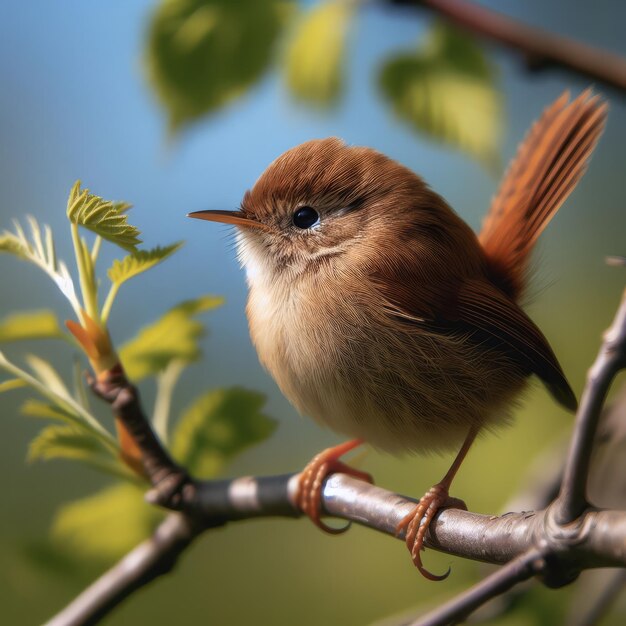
[(341, 358)]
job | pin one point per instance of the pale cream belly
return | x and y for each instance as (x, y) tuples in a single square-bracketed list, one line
[(364, 375)]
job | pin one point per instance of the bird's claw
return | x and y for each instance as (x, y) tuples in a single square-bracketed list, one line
[(416, 523), (309, 495)]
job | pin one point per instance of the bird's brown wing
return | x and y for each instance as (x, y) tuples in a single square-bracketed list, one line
[(475, 308), (482, 306)]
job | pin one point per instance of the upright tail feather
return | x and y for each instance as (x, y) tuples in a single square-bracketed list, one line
[(549, 163)]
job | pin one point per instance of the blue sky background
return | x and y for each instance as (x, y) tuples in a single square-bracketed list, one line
[(74, 104)]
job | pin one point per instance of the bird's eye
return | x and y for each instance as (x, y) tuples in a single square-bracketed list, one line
[(305, 217)]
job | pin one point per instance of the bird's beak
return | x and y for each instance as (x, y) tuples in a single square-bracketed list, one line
[(237, 218)]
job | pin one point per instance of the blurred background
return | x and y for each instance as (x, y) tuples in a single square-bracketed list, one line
[(86, 92)]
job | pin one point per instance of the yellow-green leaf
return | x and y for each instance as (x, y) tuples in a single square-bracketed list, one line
[(45, 373), (12, 383), (313, 60), (12, 244), (218, 425), (105, 526), (67, 442), (176, 335), (203, 54), (139, 262), (447, 90), (36, 408), (40, 250), (30, 325), (48, 383), (103, 217)]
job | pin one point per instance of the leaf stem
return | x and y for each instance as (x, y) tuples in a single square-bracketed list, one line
[(95, 251), (108, 303), (166, 382), (87, 285)]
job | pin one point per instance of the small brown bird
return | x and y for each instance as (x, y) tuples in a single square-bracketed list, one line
[(382, 315)]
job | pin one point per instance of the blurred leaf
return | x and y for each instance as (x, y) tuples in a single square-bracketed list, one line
[(76, 443), (105, 526), (35, 408), (40, 250), (314, 57), (447, 89), (103, 217), (218, 425), (68, 442), (203, 54), (17, 243), (12, 383), (51, 387), (30, 325), (174, 336), (54, 560), (48, 376), (139, 262)]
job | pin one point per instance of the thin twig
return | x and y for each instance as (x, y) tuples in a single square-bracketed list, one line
[(516, 571), (151, 559), (540, 48), (572, 498), (171, 483)]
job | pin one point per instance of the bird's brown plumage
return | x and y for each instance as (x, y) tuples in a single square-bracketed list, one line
[(381, 314), (390, 320), (548, 165)]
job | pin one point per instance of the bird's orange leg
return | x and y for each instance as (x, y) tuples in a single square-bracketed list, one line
[(417, 521), (309, 495)]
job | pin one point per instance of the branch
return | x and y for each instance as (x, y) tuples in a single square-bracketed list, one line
[(171, 483), (611, 358), (540, 48), (151, 559), (516, 571), (517, 539)]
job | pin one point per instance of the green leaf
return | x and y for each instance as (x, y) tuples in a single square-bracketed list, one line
[(30, 325), (218, 425), (11, 384), (103, 217), (36, 408), (40, 250), (447, 90), (48, 376), (139, 262), (50, 386), (76, 443), (133, 264), (105, 526), (176, 335), (73, 440), (313, 60), (67, 442), (202, 54)]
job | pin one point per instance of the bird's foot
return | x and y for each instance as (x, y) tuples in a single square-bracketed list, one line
[(309, 495), (416, 524)]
